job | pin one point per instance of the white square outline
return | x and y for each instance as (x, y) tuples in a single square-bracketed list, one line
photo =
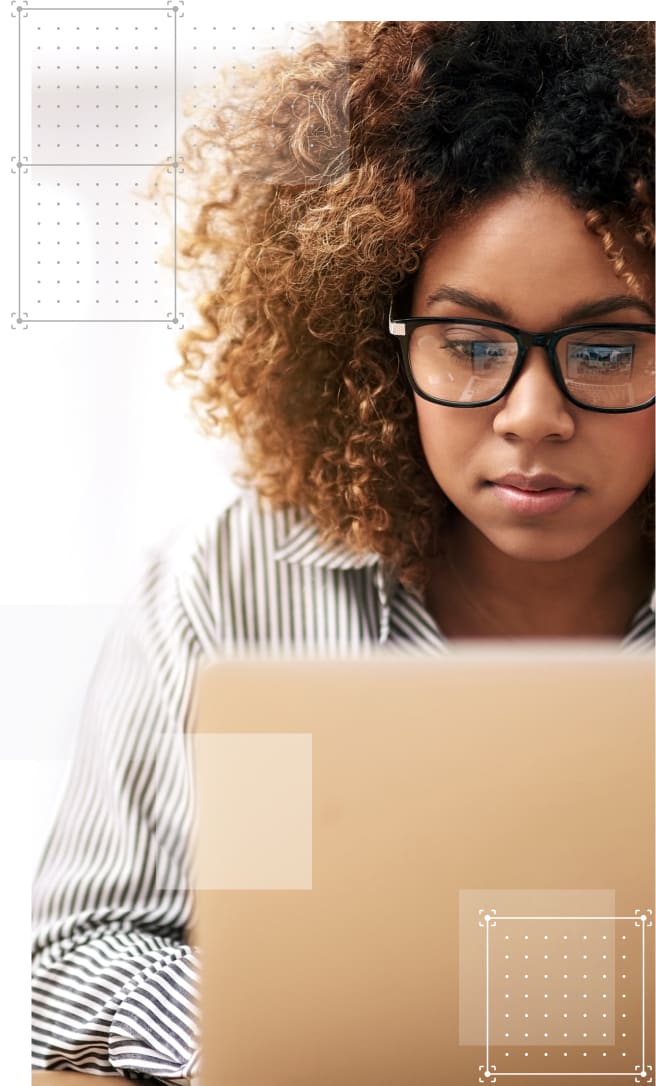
[(173, 164), (488, 1072)]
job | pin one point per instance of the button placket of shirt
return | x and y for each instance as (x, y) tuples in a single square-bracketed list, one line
[(383, 583)]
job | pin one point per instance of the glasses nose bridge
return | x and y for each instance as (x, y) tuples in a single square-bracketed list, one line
[(526, 340), (533, 339)]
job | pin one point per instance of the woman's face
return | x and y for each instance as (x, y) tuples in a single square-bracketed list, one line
[(529, 257)]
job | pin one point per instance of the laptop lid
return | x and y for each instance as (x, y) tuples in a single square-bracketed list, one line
[(427, 872)]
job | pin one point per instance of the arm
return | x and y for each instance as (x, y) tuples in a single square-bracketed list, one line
[(114, 982)]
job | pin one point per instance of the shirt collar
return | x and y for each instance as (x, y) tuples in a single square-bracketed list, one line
[(304, 546)]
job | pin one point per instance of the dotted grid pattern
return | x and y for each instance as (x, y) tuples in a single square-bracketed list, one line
[(98, 102), (102, 91), (566, 996), (559, 983), (77, 267)]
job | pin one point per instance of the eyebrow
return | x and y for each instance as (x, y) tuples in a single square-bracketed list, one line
[(586, 310)]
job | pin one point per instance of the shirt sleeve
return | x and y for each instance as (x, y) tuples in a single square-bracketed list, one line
[(114, 979)]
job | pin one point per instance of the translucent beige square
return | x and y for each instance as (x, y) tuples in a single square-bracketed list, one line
[(255, 792)]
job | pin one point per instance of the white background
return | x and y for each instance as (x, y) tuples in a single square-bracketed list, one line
[(99, 464)]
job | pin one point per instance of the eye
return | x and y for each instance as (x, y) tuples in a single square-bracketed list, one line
[(460, 348), (482, 353)]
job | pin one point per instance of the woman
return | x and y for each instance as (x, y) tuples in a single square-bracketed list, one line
[(427, 318)]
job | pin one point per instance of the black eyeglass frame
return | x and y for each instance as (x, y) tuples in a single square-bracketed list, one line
[(400, 327)]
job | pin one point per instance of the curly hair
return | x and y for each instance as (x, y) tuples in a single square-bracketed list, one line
[(319, 184)]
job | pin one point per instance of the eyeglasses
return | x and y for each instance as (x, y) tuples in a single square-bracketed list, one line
[(473, 363)]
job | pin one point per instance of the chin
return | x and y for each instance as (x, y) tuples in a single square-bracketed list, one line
[(539, 547)]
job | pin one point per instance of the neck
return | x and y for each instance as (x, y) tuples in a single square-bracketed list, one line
[(478, 591)]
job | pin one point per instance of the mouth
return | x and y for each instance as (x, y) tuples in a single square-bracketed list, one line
[(532, 495)]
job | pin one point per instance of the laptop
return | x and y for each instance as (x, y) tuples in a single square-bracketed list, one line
[(427, 872)]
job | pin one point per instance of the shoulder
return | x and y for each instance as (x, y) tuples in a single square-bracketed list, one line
[(253, 576), (210, 570), (256, 576)]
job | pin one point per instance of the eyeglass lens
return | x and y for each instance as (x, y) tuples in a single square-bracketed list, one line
[(601, 367)]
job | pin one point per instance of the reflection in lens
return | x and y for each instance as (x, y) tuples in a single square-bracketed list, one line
[(461, 363), (608, 368)]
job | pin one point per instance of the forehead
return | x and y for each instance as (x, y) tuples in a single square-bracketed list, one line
[(531, 253)]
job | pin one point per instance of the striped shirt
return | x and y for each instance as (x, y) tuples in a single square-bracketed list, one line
[(114, 979)]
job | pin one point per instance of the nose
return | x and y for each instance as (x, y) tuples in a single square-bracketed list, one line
[(535, 409)]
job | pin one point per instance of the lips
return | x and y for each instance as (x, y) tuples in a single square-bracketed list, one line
[(533, 482), (532, 495)]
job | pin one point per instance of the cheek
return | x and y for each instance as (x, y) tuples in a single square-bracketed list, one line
[(448, 436), (633, 442), (435, 435)]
